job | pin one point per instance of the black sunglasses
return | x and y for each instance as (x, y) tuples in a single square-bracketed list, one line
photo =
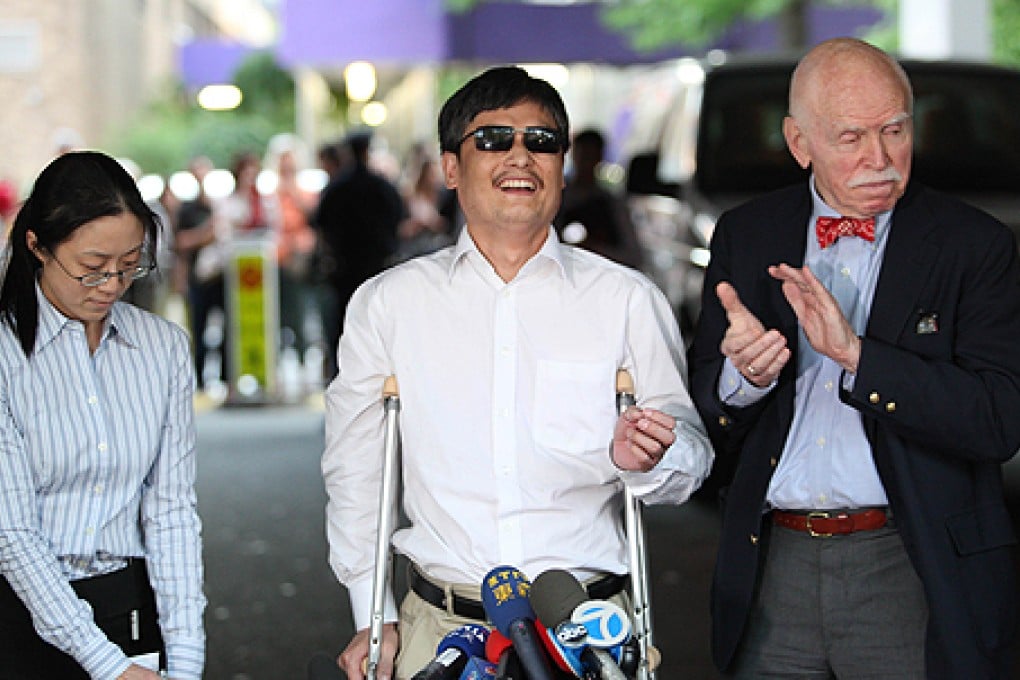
[(501, 138)]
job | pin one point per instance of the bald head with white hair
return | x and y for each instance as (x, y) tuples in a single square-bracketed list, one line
[(850, 122)]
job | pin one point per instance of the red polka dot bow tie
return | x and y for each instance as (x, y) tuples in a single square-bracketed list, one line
[(829, 229)]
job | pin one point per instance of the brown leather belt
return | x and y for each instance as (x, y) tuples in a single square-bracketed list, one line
[(599, 589), (831, 522)]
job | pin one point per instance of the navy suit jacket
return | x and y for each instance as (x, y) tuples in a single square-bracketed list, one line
[(937, 388)]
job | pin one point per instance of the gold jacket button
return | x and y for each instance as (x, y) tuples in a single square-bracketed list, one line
[(754, 539), (724, 421), (890, 407), (773, 461), (874, 398)]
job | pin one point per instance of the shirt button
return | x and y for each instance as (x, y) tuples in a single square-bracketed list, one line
[(822, 498), (93, 399), (102, 447), (828, 386), (89, 531), (821, 441), (97, 489), (845, 271)]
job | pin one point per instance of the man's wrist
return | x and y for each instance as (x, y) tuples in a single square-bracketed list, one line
[(852, 358)]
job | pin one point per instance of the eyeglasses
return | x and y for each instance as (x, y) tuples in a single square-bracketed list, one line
[(501, 138), (94, 279)]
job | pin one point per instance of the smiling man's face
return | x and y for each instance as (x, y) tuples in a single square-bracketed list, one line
[(515, 191)]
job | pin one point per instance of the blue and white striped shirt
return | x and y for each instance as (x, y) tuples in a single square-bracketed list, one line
[(97, 463)]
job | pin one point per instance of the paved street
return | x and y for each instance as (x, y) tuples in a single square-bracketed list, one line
[(273, 601)]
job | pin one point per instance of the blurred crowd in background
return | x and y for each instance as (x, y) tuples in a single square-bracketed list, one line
[(335, 216)]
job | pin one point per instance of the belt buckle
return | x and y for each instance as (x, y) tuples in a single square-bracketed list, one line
[(817, 515)]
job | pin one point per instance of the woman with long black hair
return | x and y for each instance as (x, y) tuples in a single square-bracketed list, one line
[(100, 553)]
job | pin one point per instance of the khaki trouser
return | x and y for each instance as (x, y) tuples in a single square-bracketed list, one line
[(422, 626)]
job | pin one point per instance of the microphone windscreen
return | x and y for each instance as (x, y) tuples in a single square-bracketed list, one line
[(496, 645), (555, 595), (505, 597), (469, 639)]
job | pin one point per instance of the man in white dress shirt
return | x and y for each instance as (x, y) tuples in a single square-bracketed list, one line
[(505, 347)]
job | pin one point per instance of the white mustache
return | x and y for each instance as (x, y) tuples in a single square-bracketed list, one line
[(890, 174)]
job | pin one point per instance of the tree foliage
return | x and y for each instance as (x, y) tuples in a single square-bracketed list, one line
[(173, 128)]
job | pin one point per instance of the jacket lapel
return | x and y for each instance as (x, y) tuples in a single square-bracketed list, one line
[(787, 241), (906, 265)]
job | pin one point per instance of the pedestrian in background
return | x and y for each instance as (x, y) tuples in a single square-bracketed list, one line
[(357, 219), (857, 365), (591, 215), (424, 229), (506, 347), (291, 207), (99, 534), (199, 236)]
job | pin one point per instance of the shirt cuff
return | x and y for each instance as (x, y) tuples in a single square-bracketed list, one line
[(735, 390), (104, 660), (185, 658), (360, 593), (849, 380)]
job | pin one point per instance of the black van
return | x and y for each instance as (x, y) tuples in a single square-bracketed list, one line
[(722, 143)]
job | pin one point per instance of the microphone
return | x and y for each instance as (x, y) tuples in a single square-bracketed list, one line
[(453, 653), (589, 634), (505, 599), (500, 651), (323, 667), (478, 669)]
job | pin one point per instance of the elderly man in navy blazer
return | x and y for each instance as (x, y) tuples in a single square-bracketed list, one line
[(857, 364)]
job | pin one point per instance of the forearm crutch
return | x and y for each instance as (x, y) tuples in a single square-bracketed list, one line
[(637, 553), (387, 516)]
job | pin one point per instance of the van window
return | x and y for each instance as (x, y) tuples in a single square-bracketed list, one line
[(967, 131), (742, 150)]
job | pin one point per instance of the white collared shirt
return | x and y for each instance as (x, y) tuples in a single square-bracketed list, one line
[(507, 411)]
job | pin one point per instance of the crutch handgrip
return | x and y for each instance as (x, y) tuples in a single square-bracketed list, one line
[(654, 658), (624, 383)]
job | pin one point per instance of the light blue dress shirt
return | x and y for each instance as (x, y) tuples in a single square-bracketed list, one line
[(826, 462), (97, 463)]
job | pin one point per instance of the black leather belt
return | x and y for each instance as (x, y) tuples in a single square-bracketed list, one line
[(601, 589)]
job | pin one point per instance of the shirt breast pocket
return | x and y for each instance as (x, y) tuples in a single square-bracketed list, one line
[(575, 407)]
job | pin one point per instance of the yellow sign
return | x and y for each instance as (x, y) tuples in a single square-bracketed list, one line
[(252, 356)]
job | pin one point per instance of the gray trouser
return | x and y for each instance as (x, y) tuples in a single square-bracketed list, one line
[(840, 607)]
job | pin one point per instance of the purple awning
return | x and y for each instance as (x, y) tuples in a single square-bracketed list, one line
[(333, 33)]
